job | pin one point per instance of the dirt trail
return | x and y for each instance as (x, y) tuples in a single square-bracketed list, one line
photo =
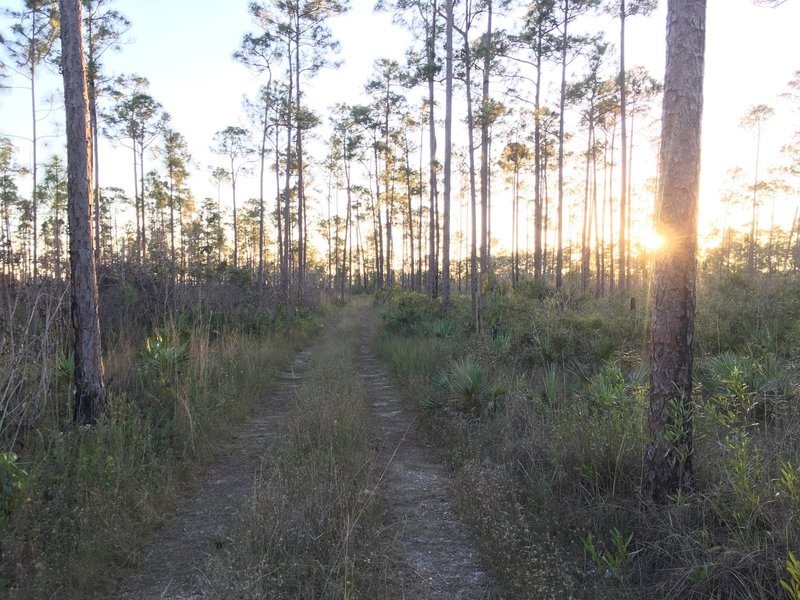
[(441, 561), (171, 567), (438, 559)]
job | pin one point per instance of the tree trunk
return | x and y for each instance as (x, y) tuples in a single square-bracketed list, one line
[(407, 151), (34, 176), (262, 161), (448, 154), (301, 199), (623, 206), (487, 59), (473, 270), (90, 393), (586, 229), (562, 103), (433, 263), (95, 138), (537, 173), (668, 459), (287, 221), (235, 218), (141, 188)]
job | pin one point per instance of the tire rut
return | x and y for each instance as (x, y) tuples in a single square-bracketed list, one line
[(171, 567), (440, 559)]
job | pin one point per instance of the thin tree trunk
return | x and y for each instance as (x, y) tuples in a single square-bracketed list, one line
[(95, 140), (586, 229), (235, 218), (90, 393), (136, 200), (410, 214), (34, 175), (433, 263), (562, 103), (487, 60), (263, 159), (537, 173), (623, 207), (448, 153), (301, 199), (287, 221), (141, 188)]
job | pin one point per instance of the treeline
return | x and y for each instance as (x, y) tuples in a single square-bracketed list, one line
[(562, 180)]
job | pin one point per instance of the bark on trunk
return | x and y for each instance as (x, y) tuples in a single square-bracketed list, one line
[(668, 458), (448, 154), (623, 204), (90, 393)]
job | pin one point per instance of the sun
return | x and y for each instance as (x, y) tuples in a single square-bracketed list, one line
[(654, 241)]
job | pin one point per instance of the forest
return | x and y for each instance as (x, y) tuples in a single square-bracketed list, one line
[(486, 329)]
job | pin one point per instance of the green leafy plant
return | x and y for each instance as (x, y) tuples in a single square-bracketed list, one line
[(676, 432), (550, 384), (790, 481), (65, 367), (465, 383), (793, 585), (442, 328), (12, 483), (502, 342), (164, 358), (615, 560)]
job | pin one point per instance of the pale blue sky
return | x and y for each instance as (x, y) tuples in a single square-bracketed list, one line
[(184, 47)]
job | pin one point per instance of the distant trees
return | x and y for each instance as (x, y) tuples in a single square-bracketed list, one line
[(9, 200), (103, 29), (233, 143), (572, 202), (33, 34), (754, 119), (301, 27), (135, 117)]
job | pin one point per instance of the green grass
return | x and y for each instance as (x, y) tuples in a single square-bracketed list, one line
[(92, 497)]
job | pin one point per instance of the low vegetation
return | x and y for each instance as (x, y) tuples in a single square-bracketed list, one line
[(77, 503), (543, 418)]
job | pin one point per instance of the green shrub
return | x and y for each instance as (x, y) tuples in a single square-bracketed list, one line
[(12, 484), (411, 312), (465, 384)]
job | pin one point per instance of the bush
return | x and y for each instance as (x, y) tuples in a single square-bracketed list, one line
[(411, 312)]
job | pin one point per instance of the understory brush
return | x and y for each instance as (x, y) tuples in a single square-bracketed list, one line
[(92, 495), (313, 527), (550, 477)]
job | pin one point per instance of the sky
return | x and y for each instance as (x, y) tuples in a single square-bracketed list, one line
[(184, 48)]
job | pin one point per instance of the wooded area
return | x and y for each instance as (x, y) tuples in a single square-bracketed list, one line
[(607, 375)]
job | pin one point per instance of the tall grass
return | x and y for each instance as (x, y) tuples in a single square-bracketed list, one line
[(92, 496)]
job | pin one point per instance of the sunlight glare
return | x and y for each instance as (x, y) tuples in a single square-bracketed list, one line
[(654, 242)]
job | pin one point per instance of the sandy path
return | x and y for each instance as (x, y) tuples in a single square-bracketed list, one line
[(172, 564), (440, 559)]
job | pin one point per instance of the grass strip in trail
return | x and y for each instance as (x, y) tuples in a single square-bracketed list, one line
[(312, 528), (207, 519), (439, 560), (542, 417)]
